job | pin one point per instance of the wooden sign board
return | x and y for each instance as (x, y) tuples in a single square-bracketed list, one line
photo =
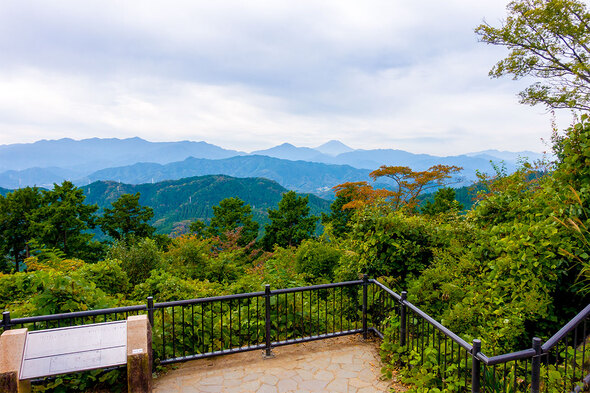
[(76, 348)]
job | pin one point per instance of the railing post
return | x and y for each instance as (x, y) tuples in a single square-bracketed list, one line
[(268, 352), (365, 286), (150, 310), (402, 318), (536, 366), (6, 320), (475, 367)]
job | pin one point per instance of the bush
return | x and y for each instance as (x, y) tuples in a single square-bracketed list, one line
[(188, 257), (106, 275), (16, 288), (394, 244), (317, 260), (137, 259), (164, 286)]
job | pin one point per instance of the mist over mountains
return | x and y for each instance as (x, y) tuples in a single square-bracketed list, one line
[(135, 161), (89, 155)]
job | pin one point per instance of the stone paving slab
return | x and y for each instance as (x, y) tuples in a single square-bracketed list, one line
[(339, 365)]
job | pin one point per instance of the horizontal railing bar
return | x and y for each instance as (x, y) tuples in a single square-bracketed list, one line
[(210, 354), (440, 327), (507, 357), (314, 338), (566, 329), (395, 295), (377, 332), (316, 287), (77, 314), (483, 358), (188, 302), (585, 385)]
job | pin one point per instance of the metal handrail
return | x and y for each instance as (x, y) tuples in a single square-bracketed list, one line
[(468, 347), (188, 302), (383, 287), (76, 314), (566, 329), (507, 357), (316, 287)]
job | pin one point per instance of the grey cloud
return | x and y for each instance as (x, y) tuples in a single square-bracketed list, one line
[(268, 68)]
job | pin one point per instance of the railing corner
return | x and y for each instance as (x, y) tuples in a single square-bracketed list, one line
[(536, 366), (475, 367), (6, 320)]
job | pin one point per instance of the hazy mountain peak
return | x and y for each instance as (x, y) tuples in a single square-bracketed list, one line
[(288, 151), (333, 148), (506, 155), (286, 145)]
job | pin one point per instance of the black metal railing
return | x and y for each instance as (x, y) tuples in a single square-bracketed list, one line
[(198, 328), (561, 364), (70, 319)]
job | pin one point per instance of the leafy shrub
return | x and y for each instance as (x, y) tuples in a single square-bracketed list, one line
[(279, 269), (16, 288), (188, 257), (164, 286), (393, 244), (317, 260), (106, 275), (137, 259)]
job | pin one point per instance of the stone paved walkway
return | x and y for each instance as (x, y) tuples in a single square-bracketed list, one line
[(344, 364)]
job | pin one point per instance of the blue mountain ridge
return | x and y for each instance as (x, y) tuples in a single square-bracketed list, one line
[(135, 160)]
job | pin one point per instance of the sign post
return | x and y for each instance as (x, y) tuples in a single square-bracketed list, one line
[(12, 345), (74, 348), (26, 355)]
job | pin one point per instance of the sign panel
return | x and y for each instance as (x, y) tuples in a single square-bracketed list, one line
[(75, 348)]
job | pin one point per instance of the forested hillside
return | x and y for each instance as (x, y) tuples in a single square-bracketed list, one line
[(177, 203)]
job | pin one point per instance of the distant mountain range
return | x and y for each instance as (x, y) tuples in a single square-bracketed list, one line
[(89, 155), (301, 176), (135, 160), (178, 203)]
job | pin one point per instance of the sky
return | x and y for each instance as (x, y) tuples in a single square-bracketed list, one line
[(249, 75)]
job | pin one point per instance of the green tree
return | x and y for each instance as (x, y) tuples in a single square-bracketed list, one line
[(63, 219), (339, 217), (444, 202), (16, 209), (233, 213), (548, 39), (127, 219), (290, 224)]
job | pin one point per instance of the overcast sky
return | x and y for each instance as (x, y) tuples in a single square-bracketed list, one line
[(251, 74)]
